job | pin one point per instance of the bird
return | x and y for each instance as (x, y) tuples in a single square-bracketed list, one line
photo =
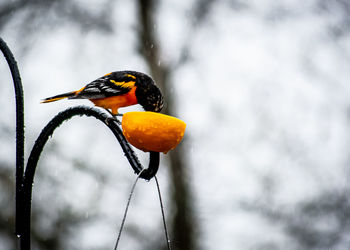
[(118, 89)]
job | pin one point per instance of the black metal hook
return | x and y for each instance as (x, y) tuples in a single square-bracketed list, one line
[(34, 156), (25, 178), (17, 82)]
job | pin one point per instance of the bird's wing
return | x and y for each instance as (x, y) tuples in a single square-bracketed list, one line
[(106, 86)]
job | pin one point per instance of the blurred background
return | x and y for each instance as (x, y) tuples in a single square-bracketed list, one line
[(262, 85)]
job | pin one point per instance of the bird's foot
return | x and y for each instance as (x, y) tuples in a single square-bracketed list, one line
[(114, 117)]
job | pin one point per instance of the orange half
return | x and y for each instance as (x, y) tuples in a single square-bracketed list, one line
[(150, 131)]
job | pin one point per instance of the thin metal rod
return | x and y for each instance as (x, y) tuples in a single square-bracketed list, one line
[(126, 210), (163, 216), (19, 126)]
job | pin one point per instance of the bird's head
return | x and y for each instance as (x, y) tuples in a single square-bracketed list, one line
[(147, 93)]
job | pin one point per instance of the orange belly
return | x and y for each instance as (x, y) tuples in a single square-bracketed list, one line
[(116, 102)]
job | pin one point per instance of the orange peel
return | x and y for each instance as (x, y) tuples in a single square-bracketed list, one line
[(150, 131)]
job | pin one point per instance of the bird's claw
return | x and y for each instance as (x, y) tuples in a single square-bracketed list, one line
[(113, 119)]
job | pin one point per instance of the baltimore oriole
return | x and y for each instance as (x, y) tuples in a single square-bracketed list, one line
[(118, 89)]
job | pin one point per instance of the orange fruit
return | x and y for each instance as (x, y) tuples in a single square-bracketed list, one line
[(150, 131)]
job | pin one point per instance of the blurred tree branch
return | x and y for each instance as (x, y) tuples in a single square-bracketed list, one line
[(42, 13), (340, 9), (320, 223), (184, 222)]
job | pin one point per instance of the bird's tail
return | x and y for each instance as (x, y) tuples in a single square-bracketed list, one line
[(59, 97)]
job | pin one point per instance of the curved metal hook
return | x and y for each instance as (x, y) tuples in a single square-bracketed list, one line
[(34, 156), (24, 182), (17, 82)]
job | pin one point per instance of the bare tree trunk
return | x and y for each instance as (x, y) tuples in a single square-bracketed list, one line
[(183, 220)]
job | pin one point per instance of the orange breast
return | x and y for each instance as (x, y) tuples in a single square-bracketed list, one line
[(116, 102)]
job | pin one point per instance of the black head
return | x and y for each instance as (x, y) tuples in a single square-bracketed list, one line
[(147, 93)]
